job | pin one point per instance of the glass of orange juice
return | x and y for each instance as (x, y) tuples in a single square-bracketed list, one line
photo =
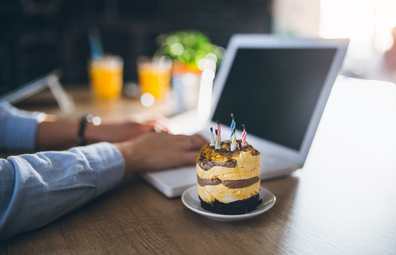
[(154, 76), (106, 76)]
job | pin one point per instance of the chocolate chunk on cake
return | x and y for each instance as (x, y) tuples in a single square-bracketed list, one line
[(229, 181)]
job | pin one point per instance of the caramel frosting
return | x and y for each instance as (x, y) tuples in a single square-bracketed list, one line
[(226, 195), (247, 167)]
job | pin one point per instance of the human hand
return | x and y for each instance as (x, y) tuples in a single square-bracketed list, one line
[(125, 129), (156, 151), (54, 133)]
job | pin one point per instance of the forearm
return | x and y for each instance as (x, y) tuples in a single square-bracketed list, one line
[(29, 131), (57, 134)]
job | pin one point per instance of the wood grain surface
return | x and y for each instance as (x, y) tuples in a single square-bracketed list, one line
[(342, 202)]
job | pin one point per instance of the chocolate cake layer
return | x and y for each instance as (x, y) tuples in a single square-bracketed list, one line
[(209, 157), (237, 207), (241, 183), (202, 182), (237, 184), (207, 163)]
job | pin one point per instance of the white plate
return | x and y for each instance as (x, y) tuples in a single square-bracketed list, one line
[(191, 201)]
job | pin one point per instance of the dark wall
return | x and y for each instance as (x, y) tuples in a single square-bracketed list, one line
[(37, 36)]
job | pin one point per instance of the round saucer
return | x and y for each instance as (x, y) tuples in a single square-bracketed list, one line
[(191, 201)]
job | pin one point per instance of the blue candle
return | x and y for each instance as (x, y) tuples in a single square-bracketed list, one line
[(233, 124)]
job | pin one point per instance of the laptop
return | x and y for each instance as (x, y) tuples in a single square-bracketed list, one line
[(278, 88), (49, 80)]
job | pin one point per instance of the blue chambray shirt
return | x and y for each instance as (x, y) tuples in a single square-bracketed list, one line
[(36, 189)]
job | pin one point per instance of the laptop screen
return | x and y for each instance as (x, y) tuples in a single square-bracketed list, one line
[(274, 91)]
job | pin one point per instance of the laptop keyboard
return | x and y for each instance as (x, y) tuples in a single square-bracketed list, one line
[(270, 160)]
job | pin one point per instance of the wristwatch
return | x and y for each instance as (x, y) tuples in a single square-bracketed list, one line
[(86, 119)]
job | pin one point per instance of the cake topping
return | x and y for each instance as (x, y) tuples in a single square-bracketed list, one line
[(210, 157)]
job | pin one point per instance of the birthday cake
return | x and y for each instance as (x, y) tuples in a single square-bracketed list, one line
[(228, 175)]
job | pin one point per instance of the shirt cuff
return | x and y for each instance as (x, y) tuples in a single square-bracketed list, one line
[(21, 132), (108, 164)]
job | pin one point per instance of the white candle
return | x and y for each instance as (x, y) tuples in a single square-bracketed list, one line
[(212, 139), (217, 142)]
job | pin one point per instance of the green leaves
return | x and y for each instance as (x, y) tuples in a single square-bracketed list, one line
[(188, 47)]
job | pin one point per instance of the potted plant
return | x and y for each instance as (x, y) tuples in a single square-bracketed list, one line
[(187, 48), (192, 53)]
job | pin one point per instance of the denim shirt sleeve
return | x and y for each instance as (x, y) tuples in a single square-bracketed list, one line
[(36, 189), (17, 128)]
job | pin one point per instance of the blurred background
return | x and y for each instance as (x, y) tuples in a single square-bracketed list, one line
[(37, 36)]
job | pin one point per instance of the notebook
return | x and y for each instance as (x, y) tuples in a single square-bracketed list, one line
[(278, 88)]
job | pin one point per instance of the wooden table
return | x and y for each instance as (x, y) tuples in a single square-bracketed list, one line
[(85, 102), (342, 202)]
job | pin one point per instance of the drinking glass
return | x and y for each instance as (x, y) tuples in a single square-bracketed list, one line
[(106, 76), (154, 76)]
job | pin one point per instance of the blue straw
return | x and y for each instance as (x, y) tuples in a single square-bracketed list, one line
[(95, 43)]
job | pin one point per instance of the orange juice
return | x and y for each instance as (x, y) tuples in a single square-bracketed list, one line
[(154, 78), (106, 77)]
